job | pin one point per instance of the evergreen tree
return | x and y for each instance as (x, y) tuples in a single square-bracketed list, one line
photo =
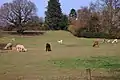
[(53, 15), (64, 23), (73, 14)]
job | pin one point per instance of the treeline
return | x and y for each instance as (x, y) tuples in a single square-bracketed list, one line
[(99, 19)]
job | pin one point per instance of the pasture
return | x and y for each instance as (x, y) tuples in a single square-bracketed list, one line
[(66, 61)]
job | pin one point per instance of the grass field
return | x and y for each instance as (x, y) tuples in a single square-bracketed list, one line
[(66, 62)]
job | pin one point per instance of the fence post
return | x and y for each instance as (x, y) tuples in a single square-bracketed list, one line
[(88, 74)]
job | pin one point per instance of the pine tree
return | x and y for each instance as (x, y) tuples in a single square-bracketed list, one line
[(64, 23), (53, 15), (73, 14)]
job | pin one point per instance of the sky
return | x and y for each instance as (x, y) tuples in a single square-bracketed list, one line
[(66, 5)]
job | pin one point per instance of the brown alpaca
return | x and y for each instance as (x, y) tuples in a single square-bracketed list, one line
[(96, 43)]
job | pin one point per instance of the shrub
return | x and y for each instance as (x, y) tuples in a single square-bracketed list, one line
[(72, 29), (94, 35), (44, 27)]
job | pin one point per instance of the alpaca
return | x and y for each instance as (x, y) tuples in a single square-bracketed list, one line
[(48, 47), (13, 39), (60, 41), (96, 43), (20, 48), (8, 46), (115, 41), (104, 40), (108, 41)]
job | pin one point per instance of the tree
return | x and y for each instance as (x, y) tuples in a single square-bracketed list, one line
[(64, 22), (35, 23), (84, 15), (72, 16), (94, 25), (17, 13), (54, 14), (73, 13), (111, 11)]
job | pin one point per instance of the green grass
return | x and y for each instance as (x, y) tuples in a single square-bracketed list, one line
[(72, 57), (112, 62)]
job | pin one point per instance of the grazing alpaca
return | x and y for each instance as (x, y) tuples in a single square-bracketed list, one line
[(21, 48), (60, 41), (8, 46), (104, 40), (96, 43), (13, 39), (48, 47), (115, 41), (108, 41)]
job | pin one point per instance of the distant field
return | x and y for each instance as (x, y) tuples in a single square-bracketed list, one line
[(68, 60)]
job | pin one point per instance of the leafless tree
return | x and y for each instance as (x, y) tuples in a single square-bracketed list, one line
[(17, 13), (111, 14)]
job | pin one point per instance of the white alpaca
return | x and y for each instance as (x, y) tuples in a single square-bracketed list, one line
[(13, 39), (60, 41), (21, 48), (8, 46), (108, 41), (115, 41)]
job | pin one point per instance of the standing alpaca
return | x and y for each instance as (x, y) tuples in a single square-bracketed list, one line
[(60, 41), (48, 47)]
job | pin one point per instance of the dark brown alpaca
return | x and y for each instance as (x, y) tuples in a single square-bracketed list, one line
[(48, 47)]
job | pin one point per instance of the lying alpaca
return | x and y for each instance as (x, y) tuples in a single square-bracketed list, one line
[(48, 47), (20, 48), (115, 41), (60, 41)]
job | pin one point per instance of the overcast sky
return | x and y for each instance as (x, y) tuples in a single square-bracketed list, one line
[(66, 5)]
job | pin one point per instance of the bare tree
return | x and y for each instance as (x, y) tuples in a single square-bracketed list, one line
[(111, 14), (17, 13), (84, 15)]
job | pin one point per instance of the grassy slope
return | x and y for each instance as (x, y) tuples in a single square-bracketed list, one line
[(74, 55)]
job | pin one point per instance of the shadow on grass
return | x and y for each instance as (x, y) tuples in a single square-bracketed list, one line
[(71, 45)]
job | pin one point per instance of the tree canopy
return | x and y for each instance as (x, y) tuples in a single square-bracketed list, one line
[(54, 15), (17, 13)]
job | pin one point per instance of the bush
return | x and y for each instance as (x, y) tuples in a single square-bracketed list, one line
[(72, 29), (94, 35), (44, 27)]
